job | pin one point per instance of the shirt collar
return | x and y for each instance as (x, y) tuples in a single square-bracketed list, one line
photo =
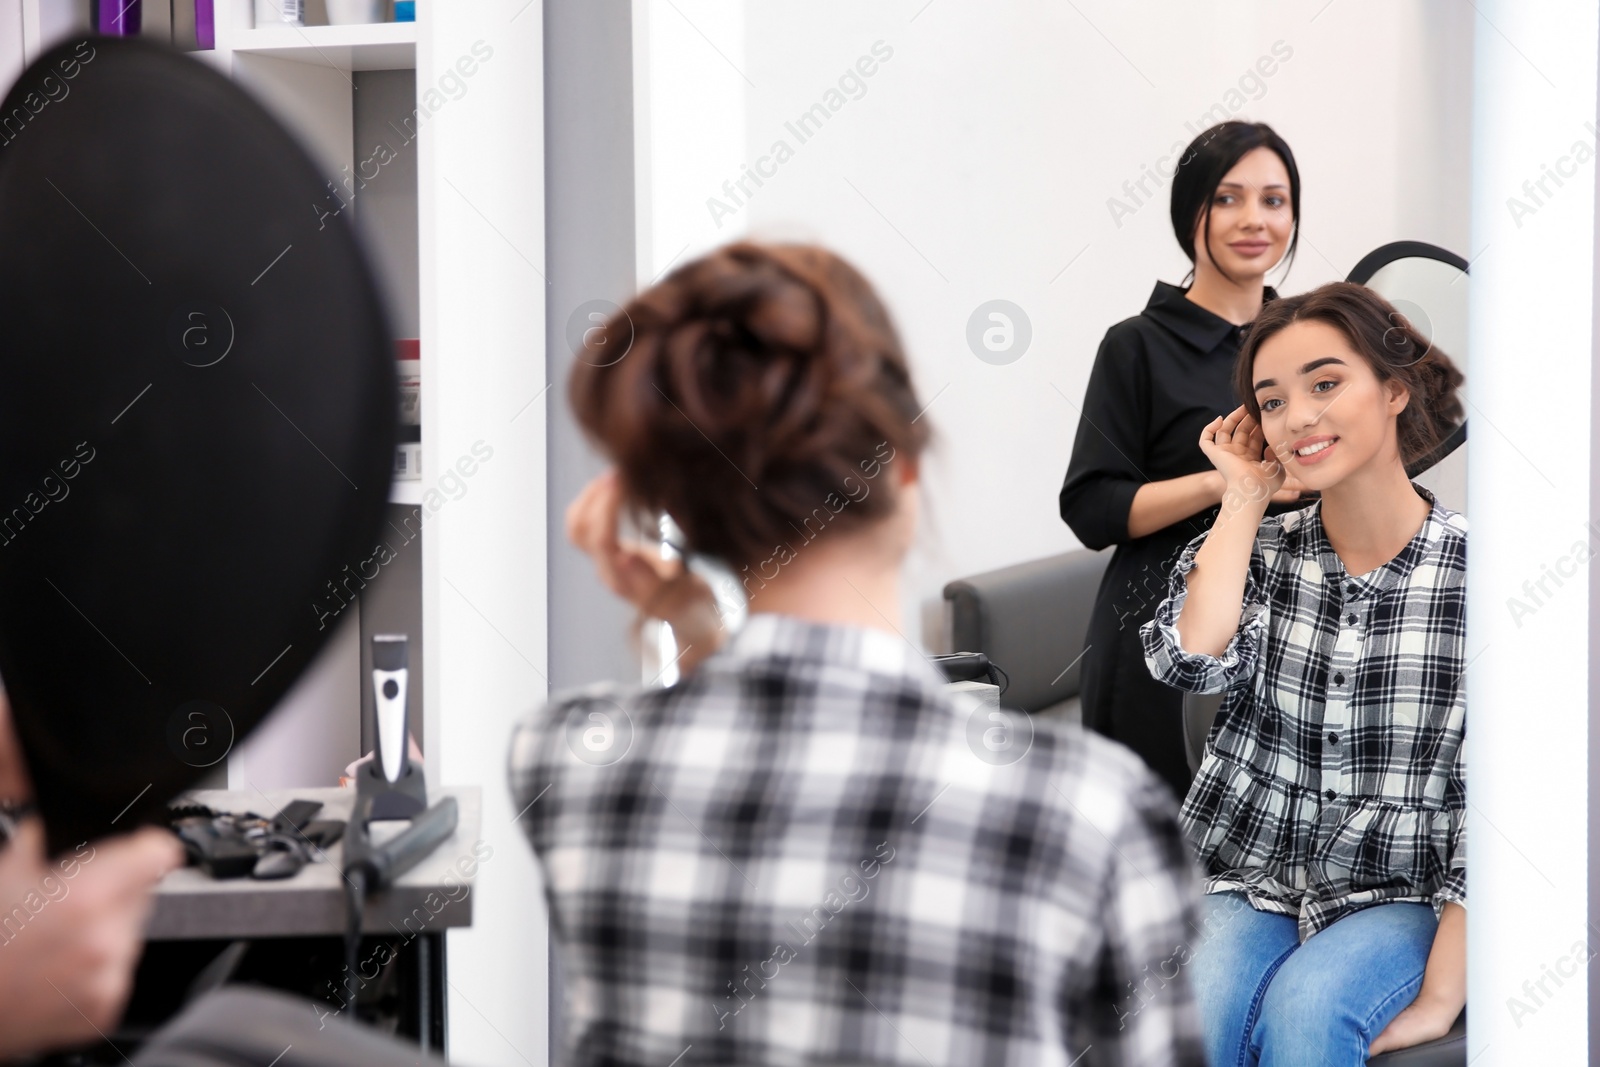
[(1171, 307), (768, 636), (1392, 573)]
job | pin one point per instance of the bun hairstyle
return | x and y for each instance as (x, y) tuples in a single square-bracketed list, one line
[(1386, 339), (764, 390), (1206, 161)]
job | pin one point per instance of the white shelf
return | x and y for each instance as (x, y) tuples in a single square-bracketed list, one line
[(372, 46), (406, 492)]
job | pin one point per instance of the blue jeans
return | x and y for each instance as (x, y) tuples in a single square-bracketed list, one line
[(1266, 999)]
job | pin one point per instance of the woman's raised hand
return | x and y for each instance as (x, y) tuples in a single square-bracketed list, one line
[(659, 588), (1236, 446), (634, 572), (1292, 488)]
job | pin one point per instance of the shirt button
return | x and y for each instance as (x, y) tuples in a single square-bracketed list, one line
[(1338, 679), (1351, 618), (1333, 739), (1351, 589), (1331, 795)]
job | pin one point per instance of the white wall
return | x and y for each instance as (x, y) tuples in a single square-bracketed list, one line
[(979, 162), (689, 113)]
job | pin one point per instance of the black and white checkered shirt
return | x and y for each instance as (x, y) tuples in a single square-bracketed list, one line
[(1334, 776), (809, 852)]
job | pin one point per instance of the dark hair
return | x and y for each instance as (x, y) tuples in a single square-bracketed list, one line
[(1206, 162), (760, 381), (1394, 349)]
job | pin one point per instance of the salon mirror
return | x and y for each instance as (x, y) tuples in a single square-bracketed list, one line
[(197, 419), (1427, 284)]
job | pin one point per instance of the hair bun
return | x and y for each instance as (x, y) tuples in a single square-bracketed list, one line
[(763, 382)]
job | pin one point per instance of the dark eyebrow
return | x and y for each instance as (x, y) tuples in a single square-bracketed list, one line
[(1240, 185), (1307, 369)]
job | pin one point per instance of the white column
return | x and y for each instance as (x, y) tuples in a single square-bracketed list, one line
[(1531, 385), (480, 187)]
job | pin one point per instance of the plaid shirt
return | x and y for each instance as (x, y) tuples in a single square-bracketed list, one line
[(795, 856), (1334, 776)]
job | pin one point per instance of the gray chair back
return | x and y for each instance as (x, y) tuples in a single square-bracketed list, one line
[(1199, 712), (1030, 619)]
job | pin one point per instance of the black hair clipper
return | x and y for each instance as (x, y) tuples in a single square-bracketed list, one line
[(394, 784), (389, 787)]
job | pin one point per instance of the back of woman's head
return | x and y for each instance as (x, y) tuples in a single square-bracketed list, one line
[(1386, 339), (763, 382)]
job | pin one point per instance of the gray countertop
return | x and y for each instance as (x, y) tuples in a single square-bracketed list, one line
[(431, 897)]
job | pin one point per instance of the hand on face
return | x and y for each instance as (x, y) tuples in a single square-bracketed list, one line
[(1236, 446), (657, 588)]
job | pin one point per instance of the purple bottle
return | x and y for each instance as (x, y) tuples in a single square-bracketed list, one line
[(116, 18), (205, 23)]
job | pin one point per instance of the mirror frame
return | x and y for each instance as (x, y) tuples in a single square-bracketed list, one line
[(1362, 273)]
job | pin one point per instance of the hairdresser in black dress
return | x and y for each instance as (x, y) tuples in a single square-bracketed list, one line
[(1137, 479)]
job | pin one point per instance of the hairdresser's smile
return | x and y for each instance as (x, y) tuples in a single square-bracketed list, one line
[(1250, 248)]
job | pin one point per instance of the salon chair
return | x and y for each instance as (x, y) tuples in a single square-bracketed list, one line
[(1030, 619), (240, 1025)]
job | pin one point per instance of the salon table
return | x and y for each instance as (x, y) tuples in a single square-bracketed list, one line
[(191, 904), (432, 897)]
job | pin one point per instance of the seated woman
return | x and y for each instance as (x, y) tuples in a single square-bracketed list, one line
[(806, 851), (1329, 813)]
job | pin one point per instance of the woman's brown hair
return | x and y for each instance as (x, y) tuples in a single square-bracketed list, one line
[(762, 383), (1391, 345)]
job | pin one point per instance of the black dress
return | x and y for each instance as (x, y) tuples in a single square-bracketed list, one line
[(1158, 378)]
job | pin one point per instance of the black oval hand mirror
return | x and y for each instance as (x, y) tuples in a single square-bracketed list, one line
[(197, 422)]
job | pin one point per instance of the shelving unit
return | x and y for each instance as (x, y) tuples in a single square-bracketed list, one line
[(407, 493), (348, 50), (380, 46), (308, 77), (461, 252), (341, 88)]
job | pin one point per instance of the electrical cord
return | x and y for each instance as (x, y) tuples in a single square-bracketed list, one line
[(355, 898), (998, 677)]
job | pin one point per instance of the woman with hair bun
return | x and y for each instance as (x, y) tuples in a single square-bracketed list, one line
[(797, 853), (1329, 814), (1136, 479)]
